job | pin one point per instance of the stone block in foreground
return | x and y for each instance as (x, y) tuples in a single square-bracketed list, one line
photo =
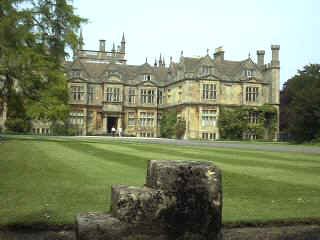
[(103, 226), (181, 200), (197, 188), (139, 204)]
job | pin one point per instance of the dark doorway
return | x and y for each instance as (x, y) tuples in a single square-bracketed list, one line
[(111, 122)]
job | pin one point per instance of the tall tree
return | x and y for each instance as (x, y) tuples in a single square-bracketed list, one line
[(301, 104), (56, 27), (34, 39), (16, 39)]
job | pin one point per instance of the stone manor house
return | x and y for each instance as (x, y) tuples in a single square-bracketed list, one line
[(106, 92)]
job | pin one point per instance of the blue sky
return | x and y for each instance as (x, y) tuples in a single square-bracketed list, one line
[(241, 27)]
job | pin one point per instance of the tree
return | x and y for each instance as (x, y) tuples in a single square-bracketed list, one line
[(171, 126), (234, 122), (57, 28), (15, 42), (167, 124), (34, 40), (301, 104)]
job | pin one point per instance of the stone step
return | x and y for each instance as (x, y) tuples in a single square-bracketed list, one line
[(139, 204), (103, 226)]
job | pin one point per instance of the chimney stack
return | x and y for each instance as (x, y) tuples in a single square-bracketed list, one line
[(102, 46), (260, 56), (219, 54), (275, 55)]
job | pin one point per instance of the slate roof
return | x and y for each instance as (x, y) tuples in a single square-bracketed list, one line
[(133, 74)]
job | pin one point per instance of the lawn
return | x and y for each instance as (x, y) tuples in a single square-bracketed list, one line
[(51, 180)]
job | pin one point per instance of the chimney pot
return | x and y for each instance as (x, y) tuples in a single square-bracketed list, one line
[(102, 46), (260, 56), (219, 54)]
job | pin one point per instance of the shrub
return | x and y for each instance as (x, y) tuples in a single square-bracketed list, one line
[(18, 125), (180, 128)]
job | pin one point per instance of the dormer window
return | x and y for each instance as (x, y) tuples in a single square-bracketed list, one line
[(75, 73), (205, 70), (147, 77), (249, 73)]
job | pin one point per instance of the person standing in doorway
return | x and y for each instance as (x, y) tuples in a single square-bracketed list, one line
[(113, 131)]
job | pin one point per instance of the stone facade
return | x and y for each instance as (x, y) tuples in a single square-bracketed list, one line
[(39, 127), (106, 92)]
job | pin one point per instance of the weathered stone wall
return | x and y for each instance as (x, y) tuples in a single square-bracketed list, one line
[(181, 200)]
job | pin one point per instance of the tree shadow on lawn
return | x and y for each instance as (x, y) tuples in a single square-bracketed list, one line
[(85, 147), (35, 220)]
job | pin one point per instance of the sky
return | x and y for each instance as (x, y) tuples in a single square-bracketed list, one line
[(193, 26)]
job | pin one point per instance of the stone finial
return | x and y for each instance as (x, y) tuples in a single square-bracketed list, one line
[(123, 45), (181, 56), (81, 42), (123, 40)]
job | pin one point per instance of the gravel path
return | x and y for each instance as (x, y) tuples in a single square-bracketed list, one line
[(274, 147), (301, 232)]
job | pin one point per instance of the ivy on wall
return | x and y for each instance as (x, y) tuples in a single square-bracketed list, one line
[(170, 126), (234, 122)]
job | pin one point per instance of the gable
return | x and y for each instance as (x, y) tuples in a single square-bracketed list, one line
[(147, 84), (211, 77), (249, 64), (206, 61)]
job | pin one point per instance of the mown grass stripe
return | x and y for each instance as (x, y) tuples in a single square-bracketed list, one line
[(265, 171), (73, 176)]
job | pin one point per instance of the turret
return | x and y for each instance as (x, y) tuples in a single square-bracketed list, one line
[(260, 56)]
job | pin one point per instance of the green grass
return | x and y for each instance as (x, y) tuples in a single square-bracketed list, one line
[(51, 180)]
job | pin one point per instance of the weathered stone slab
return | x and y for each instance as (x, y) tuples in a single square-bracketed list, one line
[(102, 226), (99, 226), (139, 204)]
